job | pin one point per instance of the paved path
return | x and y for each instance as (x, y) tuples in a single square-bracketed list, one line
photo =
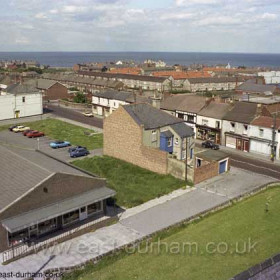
[(206, 195)]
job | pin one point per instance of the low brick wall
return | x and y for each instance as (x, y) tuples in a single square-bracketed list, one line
[(74, 105), (206, 172)]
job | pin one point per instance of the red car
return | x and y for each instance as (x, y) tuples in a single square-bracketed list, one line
[(35, 133), (27, 131)]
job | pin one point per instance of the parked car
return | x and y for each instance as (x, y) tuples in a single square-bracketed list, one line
[(35, 133), (26, 131), (12, 127), (79, 152), (59, 144), (88, 114), (210, 145), (20, 128), (72, 149)]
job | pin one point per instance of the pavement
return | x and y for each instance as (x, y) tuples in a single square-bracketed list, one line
[(151, 219)]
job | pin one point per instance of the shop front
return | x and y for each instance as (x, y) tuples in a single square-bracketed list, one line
[(209, 133), (238, 142)]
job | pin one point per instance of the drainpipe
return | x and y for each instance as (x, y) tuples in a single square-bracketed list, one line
[(186, 160), (273, 139)]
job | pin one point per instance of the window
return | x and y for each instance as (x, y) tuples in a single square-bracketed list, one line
[(71, 217), (232, 126), (23, 99), (154, 135), (93, 208), (176, 141), (245, 130), (190, 118), (204, 122), (261, 132), (217, 124), (169, 142), (180, 116)]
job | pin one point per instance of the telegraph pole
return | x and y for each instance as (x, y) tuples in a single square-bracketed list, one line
[(273, 139)]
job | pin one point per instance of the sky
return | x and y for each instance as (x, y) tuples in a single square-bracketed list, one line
[(251, 26)]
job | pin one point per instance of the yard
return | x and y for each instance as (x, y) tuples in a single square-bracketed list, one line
[(245, 223), (134, 185), (60, 130)]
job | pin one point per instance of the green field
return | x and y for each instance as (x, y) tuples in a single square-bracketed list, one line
[(59, 130), (233, 226), (134, 185)]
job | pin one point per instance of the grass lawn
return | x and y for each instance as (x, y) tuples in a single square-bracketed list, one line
[(60, 130), (235, 225), (134, 185)]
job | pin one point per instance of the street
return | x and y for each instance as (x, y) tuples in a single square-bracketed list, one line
[(73, 115)]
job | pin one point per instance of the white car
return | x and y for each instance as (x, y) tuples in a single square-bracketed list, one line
[(88, 114), (20, 128)]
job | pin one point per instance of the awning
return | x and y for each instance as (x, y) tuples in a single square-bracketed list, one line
[(51, 211)]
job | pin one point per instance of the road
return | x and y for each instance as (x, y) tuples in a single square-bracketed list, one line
[(73, 115)]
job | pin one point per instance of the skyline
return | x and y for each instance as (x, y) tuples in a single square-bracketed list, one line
[(216, 26)]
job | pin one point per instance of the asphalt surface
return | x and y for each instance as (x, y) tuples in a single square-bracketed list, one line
[(73, 115)]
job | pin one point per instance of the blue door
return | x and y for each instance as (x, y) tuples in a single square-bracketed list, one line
[(223, 166)]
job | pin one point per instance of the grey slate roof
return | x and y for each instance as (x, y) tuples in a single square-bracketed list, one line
[(150, 117), (215, 110), (212, 80), (21, 170), (256, 88), (167, 133), (182, 129), (20, 89), (40, 83), (243, 112)]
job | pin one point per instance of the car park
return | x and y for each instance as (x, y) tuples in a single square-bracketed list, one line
[(59, 144), (210, 145), (79, 152), (35, 133), (20, 128)]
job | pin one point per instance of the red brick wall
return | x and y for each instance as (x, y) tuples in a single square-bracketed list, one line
[(205, 172), (55, 92), (123, 140)]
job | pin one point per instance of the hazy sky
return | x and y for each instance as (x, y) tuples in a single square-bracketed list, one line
[(140, 25)]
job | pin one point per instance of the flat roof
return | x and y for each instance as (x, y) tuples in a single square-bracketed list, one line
[(212, 155)]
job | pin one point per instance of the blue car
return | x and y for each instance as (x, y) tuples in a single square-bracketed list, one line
[(72, 149), (59, 144), (79, 152)]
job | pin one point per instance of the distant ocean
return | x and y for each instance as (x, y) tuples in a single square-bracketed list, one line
[(68, 59)]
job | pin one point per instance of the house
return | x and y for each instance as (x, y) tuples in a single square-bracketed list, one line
[(161, 84), (236, 124), (213, 83), (51, 90), (252, 87), (106, 102), (209, 121), (185, 107), (42, 198), (148, 137), (262, 141), (270, 77), (18, 100)]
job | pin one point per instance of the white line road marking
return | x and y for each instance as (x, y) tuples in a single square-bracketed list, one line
[(278, 172)]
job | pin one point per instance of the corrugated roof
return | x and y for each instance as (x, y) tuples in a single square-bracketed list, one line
[(150, 117)]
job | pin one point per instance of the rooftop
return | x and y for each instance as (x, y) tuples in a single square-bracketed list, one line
[(150, 117), (215, 110), (212, 155), (21, 88)]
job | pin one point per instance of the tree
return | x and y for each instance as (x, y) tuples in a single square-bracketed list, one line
[(80, 98)]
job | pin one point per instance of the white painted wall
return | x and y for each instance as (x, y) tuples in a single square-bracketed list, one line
[(211, 122), (10, 103)]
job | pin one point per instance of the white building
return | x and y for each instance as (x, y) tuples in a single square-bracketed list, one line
[(19, 100), (261, 132), (271, 77)]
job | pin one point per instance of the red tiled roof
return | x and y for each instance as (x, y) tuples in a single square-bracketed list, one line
[(265, 122), (127, 70)]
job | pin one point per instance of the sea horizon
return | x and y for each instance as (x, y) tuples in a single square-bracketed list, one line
[(69, 58)]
